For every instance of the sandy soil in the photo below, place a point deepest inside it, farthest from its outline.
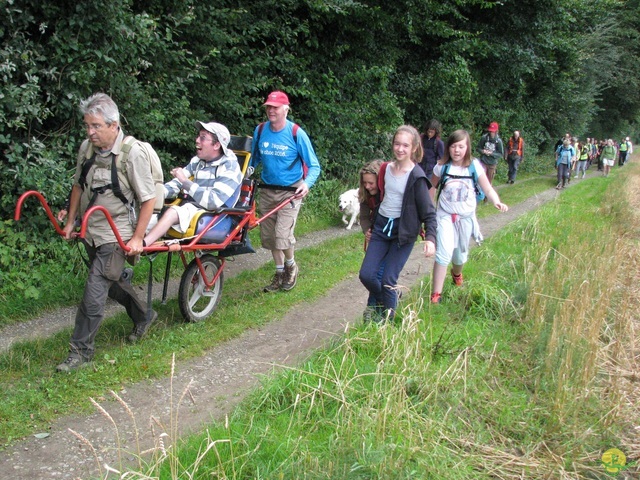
(217, 381)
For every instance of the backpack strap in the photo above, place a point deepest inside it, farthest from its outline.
(381, 172)
(116, 165)
(443, 175)
(473, 175)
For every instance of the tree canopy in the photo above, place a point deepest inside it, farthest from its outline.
(354, 71)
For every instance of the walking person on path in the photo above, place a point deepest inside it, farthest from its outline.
(432, 146)
(369, 198)
(583, 159)
(405, 207)
(289, 167)
(93, 187)
(608, 157)
(564, 156)
(515, 155)
(457, 208)
(491, 150)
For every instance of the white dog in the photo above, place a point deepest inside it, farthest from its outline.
(349, 205)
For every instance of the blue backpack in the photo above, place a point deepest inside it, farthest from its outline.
(474, 175)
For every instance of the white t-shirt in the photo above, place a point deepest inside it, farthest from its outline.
(458, 194)
(394, 187)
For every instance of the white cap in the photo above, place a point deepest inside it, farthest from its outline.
(219, 131)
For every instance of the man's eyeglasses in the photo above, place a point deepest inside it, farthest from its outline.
(94, 126)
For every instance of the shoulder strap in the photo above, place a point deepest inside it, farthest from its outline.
(443, 175)
(381, 173)
(119, 163)
(86, 166)
(474, 173)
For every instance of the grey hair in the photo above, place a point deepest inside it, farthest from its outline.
(101, 104)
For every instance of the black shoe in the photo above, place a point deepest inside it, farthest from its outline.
(140, 330)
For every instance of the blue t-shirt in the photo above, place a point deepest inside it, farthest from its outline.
(280, 156)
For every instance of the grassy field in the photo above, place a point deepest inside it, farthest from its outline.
(519, 374)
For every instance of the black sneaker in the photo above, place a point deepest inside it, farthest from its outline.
(140, 330)
(290, 277)
(276, 283)
(73, 362)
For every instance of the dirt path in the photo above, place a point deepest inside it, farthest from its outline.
(219, 380)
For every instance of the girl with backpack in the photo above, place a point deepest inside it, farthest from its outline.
(405, 206)
(461, 177)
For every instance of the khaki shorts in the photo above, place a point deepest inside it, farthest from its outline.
(276, 232)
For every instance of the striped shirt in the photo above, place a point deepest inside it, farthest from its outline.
(212, 183)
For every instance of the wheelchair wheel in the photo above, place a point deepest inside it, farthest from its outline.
(197, 301)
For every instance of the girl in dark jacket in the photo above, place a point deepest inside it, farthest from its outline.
(404, 208)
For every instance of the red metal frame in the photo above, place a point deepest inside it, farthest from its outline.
(248, 220)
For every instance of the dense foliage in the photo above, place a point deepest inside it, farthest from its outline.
(353, 69)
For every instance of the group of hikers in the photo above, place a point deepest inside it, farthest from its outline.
(430, 188)
(574, 156)
(119, 173)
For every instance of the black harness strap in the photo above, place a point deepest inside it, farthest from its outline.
(114, 186)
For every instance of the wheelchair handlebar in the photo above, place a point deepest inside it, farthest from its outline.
(45, 205)
(105, 212)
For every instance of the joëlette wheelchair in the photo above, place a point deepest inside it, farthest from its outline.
(211, 238)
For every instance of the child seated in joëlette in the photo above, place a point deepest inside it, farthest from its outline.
(210, 180)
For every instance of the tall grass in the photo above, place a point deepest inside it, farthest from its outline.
(520, 374)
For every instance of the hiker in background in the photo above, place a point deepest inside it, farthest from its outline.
(564, 156)
(491, 150)
(405, 207)
(432, 146)
(92, 186)
(289, 167)
(515, 155)
(207, 182)
(583, 159)
(608, 157)
(369, 198)
(457, 208)
(601, 145)
(623, 151)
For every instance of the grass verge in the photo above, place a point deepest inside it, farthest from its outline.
(516, 375)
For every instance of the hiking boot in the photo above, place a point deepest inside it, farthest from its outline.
(290, 277)
(369, 314)
(276, 283)
(73, 362)
(457, 279)
(140, 330)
